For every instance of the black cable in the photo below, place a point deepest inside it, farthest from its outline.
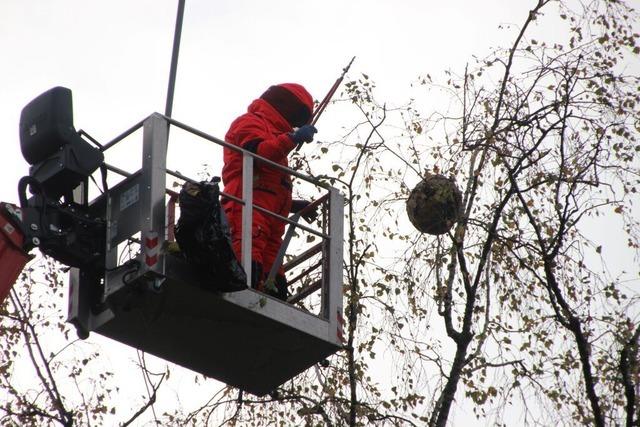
(26, 181)
(125, 276)
(103, 173)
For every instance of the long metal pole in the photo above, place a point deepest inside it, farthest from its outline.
(316, 114)
(174, 59)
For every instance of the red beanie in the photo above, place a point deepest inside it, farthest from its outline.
(292, 101)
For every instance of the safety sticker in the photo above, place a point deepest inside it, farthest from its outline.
(151, 248)
(129, 197)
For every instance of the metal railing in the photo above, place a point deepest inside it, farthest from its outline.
(155, 219)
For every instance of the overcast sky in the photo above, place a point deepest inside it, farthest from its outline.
(115, 55)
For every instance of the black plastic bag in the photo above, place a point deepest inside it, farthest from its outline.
(202, 232)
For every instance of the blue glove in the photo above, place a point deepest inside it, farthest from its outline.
(303, 134)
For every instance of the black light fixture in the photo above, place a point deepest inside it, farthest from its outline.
(60, 159)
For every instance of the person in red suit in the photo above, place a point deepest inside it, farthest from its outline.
(272, 127)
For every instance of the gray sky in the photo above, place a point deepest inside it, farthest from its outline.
(114, 55)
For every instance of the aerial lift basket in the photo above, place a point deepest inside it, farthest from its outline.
(128, 285)
(158, 304)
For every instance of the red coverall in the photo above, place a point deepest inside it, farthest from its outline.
(264, 130)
